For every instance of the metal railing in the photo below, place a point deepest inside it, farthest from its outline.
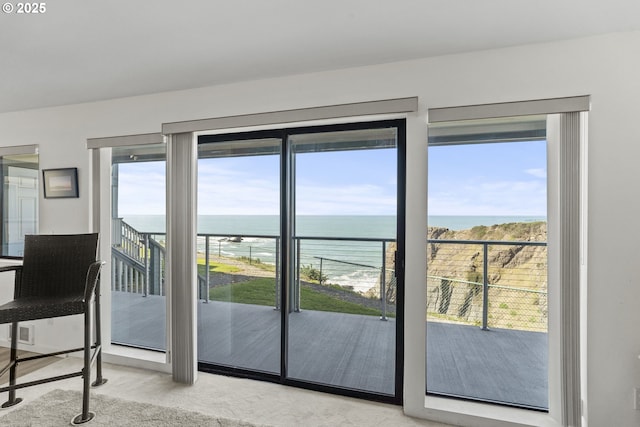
(499, 284)
(357, 270)
(363, 269)
(241, 252)
(138, 260)
(315, 266)
(487, 283)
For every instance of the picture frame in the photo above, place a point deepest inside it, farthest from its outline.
(60, 183)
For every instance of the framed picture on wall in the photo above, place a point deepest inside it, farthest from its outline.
(60, 183)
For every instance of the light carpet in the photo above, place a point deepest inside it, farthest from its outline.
(59, 407)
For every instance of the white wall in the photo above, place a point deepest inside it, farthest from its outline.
(606, 67)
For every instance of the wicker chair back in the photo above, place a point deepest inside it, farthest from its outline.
(56, 265)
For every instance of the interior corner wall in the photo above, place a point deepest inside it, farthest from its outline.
(606, 67)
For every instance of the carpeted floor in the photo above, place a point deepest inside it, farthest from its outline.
(217, 397)
(59, 407)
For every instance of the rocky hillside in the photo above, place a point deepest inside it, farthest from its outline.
(509, 265)
(517, 275)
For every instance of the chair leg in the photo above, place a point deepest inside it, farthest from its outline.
(99, 379)
(12, 371)
(86, 416)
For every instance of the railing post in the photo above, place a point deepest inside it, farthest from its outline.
(485, 286)
(206, 266)
(383, 282)
(320, 278)
(114, 262)
(296, 296)
(120, 278)
(249, 255)
(278, 284)
(160, 260)
(127, 283)
(146, 265)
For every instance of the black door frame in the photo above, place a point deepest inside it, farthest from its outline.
(286, 254)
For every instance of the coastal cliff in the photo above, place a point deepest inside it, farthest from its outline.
(517, 275)
(509, 265)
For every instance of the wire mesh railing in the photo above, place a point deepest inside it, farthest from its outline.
(358, 271)
(499, 284)
(329, 274)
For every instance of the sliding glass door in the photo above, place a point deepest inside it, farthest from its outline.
(342, 322)
(239, 252)
(298, 247)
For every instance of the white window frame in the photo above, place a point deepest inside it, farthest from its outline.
(566, 136)
(101, 223)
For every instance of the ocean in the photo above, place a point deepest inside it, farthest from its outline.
(382, 226)
(351, 253)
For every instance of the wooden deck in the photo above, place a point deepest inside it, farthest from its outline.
(350, 351)
(498, 365)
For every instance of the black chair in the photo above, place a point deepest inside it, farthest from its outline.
(59, 276)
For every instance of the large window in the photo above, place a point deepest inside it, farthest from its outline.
(536, 330)
(19, 201)
(487, 296)
(138, 292)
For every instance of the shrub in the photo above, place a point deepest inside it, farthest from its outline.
(312, 273)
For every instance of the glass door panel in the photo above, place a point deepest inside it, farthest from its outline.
(138, 240)
(487, 311)
(19, 201)
(239, 253)
(342, 287)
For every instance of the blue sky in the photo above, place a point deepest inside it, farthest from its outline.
(481, 179)
(488, 179)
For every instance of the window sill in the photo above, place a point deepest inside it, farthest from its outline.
(136, 358)
(459, 412)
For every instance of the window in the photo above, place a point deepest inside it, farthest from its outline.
(487, 298)
(138, 292)
(566, 154)
(129, 206)
(19, 201)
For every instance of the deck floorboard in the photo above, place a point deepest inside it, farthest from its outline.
(350, 351)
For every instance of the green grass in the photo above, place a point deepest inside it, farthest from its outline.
(216, 267)
(258, 291)
(312, 300)
(261, 291)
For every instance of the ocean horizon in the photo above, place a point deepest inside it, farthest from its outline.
(380, 226)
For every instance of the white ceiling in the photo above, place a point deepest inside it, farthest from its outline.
(88, 50)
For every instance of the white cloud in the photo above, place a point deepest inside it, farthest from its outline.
(141, 193)
(344, 200)
(491, 198)
(537, 172)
